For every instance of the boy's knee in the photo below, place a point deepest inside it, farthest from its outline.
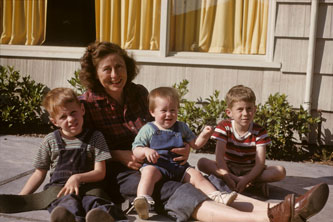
(278, 173)
(150, 171)
(203, 164)
(282, 172)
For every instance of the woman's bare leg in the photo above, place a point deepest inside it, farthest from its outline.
(194, 177)
(212, 211)
(248, 204)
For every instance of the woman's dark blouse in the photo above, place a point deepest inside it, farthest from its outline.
(119, 124)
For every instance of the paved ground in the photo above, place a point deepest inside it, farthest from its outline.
(17, 153)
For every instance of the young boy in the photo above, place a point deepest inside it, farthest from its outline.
(154, 142)
(241, 146)
(76, 159)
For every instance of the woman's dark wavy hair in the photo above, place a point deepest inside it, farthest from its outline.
(93, 55)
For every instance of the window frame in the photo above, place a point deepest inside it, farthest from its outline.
(162, 55)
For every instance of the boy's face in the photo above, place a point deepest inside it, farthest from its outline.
(242, 113)
(165, 113)
(69, 119)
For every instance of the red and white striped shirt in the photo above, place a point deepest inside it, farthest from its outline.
(240, 149)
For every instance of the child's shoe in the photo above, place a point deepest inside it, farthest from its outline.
(142, 206)
(223, 197)
(61, 214)
(98, 215)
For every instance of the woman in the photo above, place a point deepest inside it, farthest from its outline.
(118, 108)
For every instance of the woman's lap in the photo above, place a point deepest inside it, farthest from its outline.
(172, 198)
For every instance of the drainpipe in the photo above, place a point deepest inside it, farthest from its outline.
(311, 55)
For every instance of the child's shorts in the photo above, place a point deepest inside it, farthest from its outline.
(240, 169)
(175, 172)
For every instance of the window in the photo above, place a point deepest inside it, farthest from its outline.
(237, 27)
(70, 23)
(221, 32)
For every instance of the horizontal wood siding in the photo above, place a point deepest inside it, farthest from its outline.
(290, 49)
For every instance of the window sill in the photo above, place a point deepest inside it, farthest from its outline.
(187, 58)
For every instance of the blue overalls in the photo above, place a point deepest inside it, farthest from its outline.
(163, 141)
(71, 162)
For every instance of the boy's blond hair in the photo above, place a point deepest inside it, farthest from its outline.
(240, 93)
(58, 97)
(163, 92)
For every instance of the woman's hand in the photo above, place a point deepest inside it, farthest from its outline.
(184, 153)
(127, 158)
(132, 162)
(72, 186)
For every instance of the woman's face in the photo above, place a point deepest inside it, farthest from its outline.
(112, 74)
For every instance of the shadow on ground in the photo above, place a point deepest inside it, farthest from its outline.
(291, 184)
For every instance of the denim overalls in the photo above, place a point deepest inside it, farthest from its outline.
(163, 141)
(71, 162)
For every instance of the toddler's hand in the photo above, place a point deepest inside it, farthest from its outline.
(208, 131)
(151, 155)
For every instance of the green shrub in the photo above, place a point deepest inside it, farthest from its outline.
(76, 83)
(282, 123)
(21, 98)
(203, 112)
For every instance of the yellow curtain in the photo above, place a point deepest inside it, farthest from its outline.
(132, 24)
(219, 26)
(23, 22)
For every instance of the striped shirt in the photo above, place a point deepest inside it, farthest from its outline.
(119, 124)
(240, 149)
(48, 153)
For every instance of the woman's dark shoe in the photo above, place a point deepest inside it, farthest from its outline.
(284, 211)
(311, 202)
(61, 214)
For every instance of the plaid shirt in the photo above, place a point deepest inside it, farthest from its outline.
(119, 124)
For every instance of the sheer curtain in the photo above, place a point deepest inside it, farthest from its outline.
(132, 24)
(23, 22)
(219, 26)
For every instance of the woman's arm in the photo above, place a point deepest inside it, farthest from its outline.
(126, 158)
(35, 180)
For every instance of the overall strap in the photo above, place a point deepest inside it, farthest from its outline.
(60, 143)
(154, 126)
(86, 139)
(175, 127)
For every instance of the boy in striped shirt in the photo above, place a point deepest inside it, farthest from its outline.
(75, 157)
(241, 146)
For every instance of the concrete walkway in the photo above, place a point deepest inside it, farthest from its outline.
(17, 154)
